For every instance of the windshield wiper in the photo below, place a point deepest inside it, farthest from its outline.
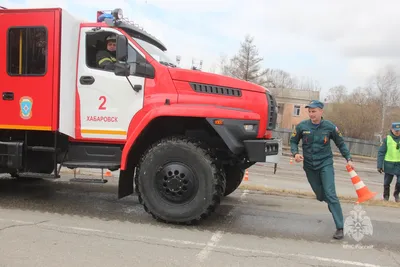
(168, 64)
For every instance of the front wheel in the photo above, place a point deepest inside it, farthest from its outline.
(177, 181)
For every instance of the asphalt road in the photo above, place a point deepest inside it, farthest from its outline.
(45, 223)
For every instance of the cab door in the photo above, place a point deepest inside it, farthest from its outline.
(27, 68)
(107, 102)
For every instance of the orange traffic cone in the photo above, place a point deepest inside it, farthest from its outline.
(108, 173)
(291, 161)
(246, 176)
(362, 190)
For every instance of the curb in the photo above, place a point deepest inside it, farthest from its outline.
(286, 152)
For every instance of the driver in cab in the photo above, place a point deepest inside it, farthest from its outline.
(106, 58)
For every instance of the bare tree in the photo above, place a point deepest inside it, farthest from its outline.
(307, 84)
(276, 78)
(246, 64)
(337, 94)
(357, 114)
(223, 67)
(385, 87)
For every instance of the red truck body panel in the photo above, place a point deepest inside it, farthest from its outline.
(30, 100)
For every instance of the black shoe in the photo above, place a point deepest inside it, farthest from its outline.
(338, 234)
(396, 193)
(386, 192)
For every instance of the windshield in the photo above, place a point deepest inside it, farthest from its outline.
(159, 55)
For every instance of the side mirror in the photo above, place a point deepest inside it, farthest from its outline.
(143, 69)
(122, 48)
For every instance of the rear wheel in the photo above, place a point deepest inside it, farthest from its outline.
(234, 177)
(178, 181)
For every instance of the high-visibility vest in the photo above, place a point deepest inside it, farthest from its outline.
(392, 151)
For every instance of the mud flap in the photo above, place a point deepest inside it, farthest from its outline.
(125, 183)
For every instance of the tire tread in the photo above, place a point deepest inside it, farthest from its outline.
(219, 182)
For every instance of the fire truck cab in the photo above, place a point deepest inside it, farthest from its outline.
(181, 139)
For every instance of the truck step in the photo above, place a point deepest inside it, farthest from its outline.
(91, 165)
(87, 180)
(37, 175)
(42, 148)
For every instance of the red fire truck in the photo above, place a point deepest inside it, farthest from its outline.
(181, 138)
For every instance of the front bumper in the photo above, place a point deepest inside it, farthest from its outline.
(262, 150)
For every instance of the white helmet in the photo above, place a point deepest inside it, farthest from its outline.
(111, 37)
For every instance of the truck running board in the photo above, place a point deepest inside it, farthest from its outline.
(91, 165)
(89, 180)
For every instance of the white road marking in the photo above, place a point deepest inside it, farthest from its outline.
(215, 238)
(211, 245)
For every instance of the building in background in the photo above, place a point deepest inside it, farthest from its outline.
(291, 106)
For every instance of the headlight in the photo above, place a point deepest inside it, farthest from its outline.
(249, 127)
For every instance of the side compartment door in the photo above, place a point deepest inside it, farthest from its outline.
(27, 69)
(107, 102)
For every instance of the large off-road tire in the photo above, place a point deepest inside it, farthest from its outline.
(178, 181)
(234, 177)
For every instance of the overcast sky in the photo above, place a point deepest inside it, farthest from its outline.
(333, 42)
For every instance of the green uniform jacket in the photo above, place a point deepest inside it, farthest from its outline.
(388, 167)
(316, 143)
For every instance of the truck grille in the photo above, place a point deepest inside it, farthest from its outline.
(272, 112)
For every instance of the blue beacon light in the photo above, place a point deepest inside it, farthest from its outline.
(102, 17)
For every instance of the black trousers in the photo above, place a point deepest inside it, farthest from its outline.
(387, 180)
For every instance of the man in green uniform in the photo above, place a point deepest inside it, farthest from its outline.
(315, 135)
(106, 58)
(389, 161)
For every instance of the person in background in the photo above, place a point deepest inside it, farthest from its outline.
(316, 134)
(388, 161)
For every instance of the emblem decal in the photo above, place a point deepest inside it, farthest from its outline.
(358, 225)
(25, 105)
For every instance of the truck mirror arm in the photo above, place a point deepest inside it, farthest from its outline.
(136, 87)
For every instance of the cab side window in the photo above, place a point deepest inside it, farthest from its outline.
(96, 42)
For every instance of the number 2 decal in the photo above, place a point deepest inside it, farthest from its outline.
(102, 105)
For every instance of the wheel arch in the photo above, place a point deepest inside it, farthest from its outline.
(159, 128)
